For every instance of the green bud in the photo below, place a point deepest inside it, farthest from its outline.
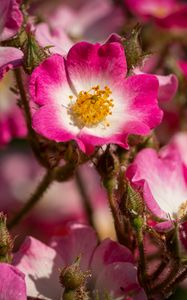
(6, 244)
(134, 201)
(138, 223)
(34, 54)
(72, 277)
(133, 49)
(69, 295)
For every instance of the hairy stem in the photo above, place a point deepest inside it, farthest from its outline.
(85, 197)
(24, 101)
(35, 197)
(142, 267)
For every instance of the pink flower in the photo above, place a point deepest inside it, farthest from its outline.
(12, 122)
(160, 178)
(12, 283)
(166, 13)
(86, 97)
(54, 37)
(110, 264)
(10, 18)
(85, 19)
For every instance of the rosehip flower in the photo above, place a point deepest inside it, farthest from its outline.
(86, 97)
(110, 265)
(12, 283)
(166, 13)
(11, 118)
(10, 18)
(160, 178)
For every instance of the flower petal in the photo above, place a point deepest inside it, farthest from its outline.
(9, 57)
(161, 179)
(10, 18)
(12, 283)
(120, 279)
(80, 240)
(49, 83)
(89, 65)
(40, 264)
(109, 252)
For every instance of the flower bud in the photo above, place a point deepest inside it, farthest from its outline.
(133, 49)
(69, 295)
(6, 243)
(72, 277)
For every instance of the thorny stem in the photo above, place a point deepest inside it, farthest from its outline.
(142, 261)
(160, 288)
(35, 197)
(177, 280)
(85, 197)
(159, 270)
(118, 225)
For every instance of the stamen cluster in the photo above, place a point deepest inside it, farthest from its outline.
(92, 107)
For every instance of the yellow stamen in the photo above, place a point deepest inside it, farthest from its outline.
(92, 107)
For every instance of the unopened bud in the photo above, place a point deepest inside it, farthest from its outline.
(133, 49)
(34, 54)
(70, 295)
(6, 244)
(72, 277)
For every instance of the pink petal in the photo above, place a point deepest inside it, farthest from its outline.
(167, 87)
(53, 37)
(120, 279)
(9, 57)
(52, 122)
(161, 179)
(142, 90)
(40, 264)
(48, 78)
(88, 64)
(12, 283)
(10, 18)
(80, 240)
(109, 252)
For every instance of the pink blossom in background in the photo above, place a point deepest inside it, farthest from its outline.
(12, 123)
(165, 13)
(61, 203)
(86, 20)
(10, 18)
(183, 67)
(12, 283)
(127, 105)
(57, 39)
(160, 178)
(110, 264)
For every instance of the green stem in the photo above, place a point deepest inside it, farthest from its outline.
(24, 101)
(163, 286)
(85, 198)
(35, 197)
(142, 268)
(115, 213)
